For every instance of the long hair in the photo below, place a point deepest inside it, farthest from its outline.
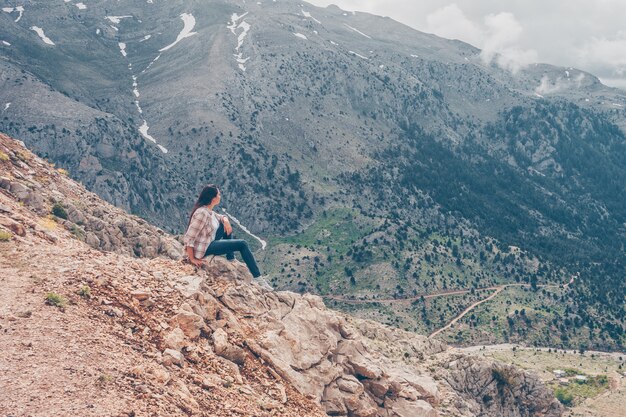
(207, 195)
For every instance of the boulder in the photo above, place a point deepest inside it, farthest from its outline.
(227, 350)
(175, 339)
(173, 357)
(190, 323)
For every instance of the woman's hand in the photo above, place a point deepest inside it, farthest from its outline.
(196, 262)
(227, 227)
(192, 258)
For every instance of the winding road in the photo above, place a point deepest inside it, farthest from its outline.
(497, 289)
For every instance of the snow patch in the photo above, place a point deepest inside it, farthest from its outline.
(19, 9)
(189, 22)
(357, 31)
(308, 15)
(81, 6)
(414, 56)
(6, 107)
(42, 35)
(143, 129)
(117, 19)
(6, 43)
(152, 63)
(245, 229)
(567, 74)
(122, 46)
(145, 38)
(334, 43)
(301, 36)
(97, 31)
(237, 22)
(359, 55)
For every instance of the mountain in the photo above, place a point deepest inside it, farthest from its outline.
(119, 332)
(378, 161)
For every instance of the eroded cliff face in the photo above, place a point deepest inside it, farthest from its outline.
(101, 316)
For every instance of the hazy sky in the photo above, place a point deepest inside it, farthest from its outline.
(585, 34)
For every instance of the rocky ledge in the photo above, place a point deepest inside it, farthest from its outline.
(97, 323)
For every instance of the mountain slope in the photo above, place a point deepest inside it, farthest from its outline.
(93, 332)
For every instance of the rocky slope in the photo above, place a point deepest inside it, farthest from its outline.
(120, 331)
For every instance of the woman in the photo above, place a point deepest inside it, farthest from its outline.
(209, 233)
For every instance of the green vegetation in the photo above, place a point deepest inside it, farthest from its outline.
(59, 211)
(577, 391)
(55, 300)
(84, 291)
(5, 236)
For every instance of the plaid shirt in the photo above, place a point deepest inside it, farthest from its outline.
(201, 231)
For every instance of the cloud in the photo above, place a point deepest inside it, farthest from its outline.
(606, 55)
(450, 22)
(498, 36)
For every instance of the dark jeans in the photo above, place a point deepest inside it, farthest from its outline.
(225, 245)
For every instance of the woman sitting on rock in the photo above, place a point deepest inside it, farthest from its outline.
(209, 233)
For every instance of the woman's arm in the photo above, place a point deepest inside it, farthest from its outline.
(227, 227)
(199, 220)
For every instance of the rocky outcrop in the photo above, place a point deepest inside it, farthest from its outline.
(50, 192)
(352, 367)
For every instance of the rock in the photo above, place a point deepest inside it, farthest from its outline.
(173, 357)
(206, 306)
(402, 407)
(175, 339)
(141, 295)
(92, 240)
(190, 323)
(226, 350)
(348, 383)
(188, 285)
(19, 190)
(13, 226)
(210, 382)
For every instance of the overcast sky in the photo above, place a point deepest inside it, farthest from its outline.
(585, 34)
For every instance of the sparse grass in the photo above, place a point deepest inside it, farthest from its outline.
(3, 156)
(56, 300)
(5, 236)
(59, 211)
(84, 291)
(104, 379)
(48, 223)
(78, 232)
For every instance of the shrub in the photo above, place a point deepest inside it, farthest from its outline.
(55, 300)
(84, 291)
(59, 211)
(5, 236)
(3, 156)
(566, 398)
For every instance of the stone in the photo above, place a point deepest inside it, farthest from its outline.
(175, 339)
(173, 357)
(190, 323)
(92, 240)
(141, 295)
(402, 407)
(19, 190)
(227, 350)
(349, 383)
(13, 226)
